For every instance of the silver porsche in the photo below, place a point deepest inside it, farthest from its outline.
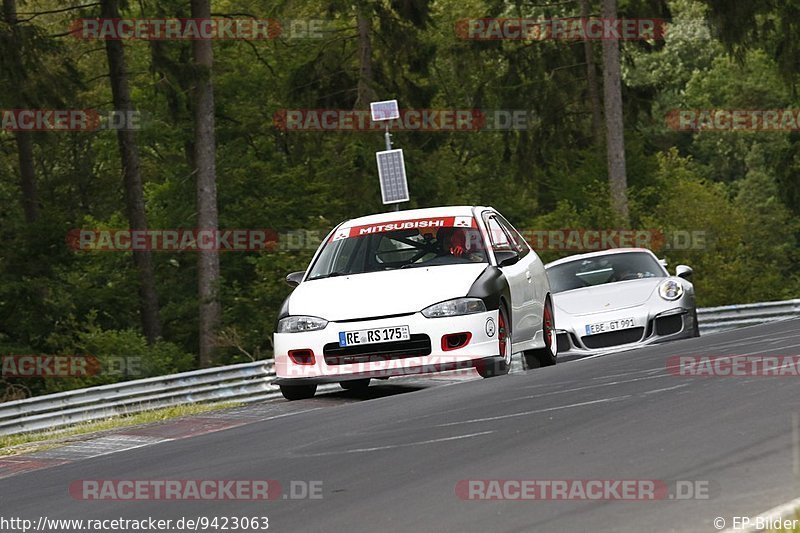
(617, 299)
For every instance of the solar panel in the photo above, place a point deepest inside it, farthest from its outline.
(386, 110)
(392, 175)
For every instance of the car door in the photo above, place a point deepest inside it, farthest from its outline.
(517, 277)
(538, 287)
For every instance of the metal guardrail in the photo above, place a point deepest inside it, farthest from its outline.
(251, 382)
(247, 382)
(714, 319)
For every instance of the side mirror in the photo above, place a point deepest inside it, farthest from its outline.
(295, 278)
(506, 258)
(683, 271)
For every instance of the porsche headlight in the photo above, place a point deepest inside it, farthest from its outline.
(297, 324)
(459, 306)
(670, 290)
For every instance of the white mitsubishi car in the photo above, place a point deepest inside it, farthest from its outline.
(413, 292)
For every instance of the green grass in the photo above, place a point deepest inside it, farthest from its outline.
(41, 440)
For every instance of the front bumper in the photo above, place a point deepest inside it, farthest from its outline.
(422, 354)
(652, 326)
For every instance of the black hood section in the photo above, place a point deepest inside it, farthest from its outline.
(490, 287)
(283, 312)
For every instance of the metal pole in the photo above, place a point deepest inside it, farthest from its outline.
(388, 137)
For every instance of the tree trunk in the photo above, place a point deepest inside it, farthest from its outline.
(615, 135)
(132, 179)
(366, 93)
(615, 138)
(591, 79)
(27, 171)
(205, 169)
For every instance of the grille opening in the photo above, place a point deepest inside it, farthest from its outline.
(668, 325)
(302, 357)
(613, 338)
(455, 341)
(562, 341)
(418, 345)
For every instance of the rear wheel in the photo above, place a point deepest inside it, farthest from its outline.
(355, 384)
(298, 392)
(544, 356)
(499, 366)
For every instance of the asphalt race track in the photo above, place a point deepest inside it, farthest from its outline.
(391, 460)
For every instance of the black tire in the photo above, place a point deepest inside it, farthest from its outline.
(355, 384)
(498, 366)
(298, 392)
(543, 356)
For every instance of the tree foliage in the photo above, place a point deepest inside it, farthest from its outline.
(740, 188)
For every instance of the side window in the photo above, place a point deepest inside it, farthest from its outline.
(517, 242)
(349, 254)
(498, 236)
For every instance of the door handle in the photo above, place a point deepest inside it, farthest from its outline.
(528, 275)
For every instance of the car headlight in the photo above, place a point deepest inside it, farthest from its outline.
(297, 324)
(670, 290)
(459, 306)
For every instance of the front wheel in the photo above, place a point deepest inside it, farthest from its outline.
(499, 366)
(544, 356)
(298, 392)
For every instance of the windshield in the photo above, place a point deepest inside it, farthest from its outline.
(427, 245)
(603, 269)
